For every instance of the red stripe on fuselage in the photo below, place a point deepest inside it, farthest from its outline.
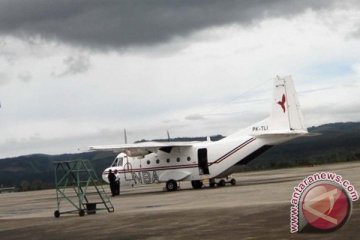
(234, 150)
(189, 165)
(156, 168)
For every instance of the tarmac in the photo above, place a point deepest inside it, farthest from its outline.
(258, 207)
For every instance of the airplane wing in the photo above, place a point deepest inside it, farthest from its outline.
(143, 148)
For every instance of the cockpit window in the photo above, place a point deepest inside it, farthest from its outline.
(114, 164)
(117, 162)
(120, 162)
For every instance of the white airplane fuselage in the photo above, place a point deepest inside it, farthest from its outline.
(221, 156)
(170, 162)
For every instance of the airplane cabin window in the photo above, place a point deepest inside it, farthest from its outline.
(168, 160)
(157, 161)
(148, 162)
(188, 158)
(178, 159)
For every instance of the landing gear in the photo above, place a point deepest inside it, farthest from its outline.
(171, 185)
(212, 183)
(221, 183)
(196, 184)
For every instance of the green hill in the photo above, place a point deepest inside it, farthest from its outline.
(37, 171)
(337, 142)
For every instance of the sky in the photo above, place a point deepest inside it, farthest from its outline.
(77, 73)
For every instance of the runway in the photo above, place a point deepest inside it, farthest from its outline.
(258, 207)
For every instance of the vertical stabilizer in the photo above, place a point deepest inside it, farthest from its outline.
(286, 114)
(285, 117)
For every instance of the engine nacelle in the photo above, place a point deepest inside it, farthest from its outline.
(137, 152)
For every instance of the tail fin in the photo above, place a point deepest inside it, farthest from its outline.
(286, 114)
(285, 118)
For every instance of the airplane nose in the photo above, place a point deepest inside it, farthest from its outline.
(104, 175)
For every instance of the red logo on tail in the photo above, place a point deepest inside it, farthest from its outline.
(282, 102)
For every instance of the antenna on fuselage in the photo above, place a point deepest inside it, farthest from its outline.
(168, 135)
(125, 136)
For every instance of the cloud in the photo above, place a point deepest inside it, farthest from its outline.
(75, 65)
(193, 117)
(24, 76)
(218, 83)
(3, 78)
(121, 24)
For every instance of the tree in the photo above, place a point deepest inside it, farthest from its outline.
(24, 186)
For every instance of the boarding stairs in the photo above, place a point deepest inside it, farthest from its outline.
(78, 189)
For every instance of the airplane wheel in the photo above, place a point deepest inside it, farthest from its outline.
(196, 184)
(56, 214)
(221, 183)
(212, 183)
(171, 185)
(233, 182)
(81, 213)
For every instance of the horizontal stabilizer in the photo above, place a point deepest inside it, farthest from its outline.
(280, 134)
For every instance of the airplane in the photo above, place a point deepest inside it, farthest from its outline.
(206, 161)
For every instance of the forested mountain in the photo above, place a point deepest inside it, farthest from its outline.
(37, 171)
(337, 142)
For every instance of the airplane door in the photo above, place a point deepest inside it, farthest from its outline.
(128, 170)
(203, 161)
